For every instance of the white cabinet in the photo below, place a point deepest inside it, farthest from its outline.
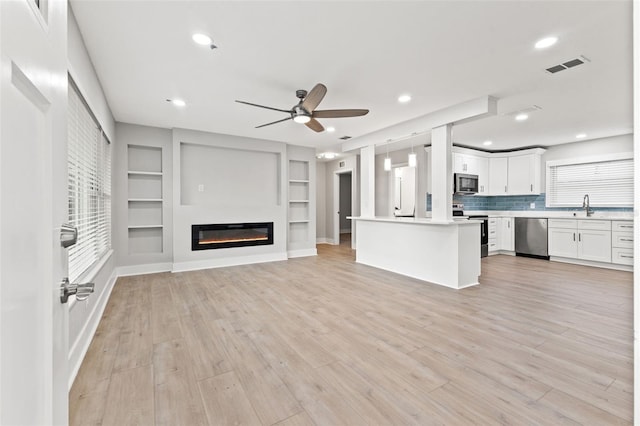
(622, 242)
(498, 167)
(501, 235)
(523, 175)
(580, 239)
(506, 234)
(474, 165)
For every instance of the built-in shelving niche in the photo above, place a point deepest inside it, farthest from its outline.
(298, 201)
(145, 199)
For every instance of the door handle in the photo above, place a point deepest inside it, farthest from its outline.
(81, 291)
(68, 235)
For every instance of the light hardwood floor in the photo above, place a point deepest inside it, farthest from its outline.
(323, 340)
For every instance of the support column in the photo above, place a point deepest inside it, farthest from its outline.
(367, 181)
(441, 174)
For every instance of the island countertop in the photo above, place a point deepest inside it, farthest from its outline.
(417, 220)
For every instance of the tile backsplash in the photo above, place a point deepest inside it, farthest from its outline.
(515, 202)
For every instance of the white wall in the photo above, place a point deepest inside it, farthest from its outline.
(321, 202)
(83, 73)
(595, 147)
(226, 210)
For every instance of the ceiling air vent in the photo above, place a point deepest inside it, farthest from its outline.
(344, 138)
(566, 65)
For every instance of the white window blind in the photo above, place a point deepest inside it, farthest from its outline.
(607, 181)
(89, 164)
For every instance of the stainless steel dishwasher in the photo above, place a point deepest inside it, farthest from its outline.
(531, 237)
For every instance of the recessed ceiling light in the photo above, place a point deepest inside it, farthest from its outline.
(521, 117)
(329, 155)
(330, 129)
(546, 42)
(202, 39)
(404, 98)
(487, 143)
(177, 102)
(581, 135)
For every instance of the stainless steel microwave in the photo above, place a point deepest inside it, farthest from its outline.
(465, 184)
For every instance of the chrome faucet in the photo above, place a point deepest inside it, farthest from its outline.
(585, 205)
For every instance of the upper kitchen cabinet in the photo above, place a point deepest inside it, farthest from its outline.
(498, 168)
(473, 165)
(524, 174)
(516, 173)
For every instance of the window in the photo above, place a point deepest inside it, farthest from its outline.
(89, 164)
(608, 180)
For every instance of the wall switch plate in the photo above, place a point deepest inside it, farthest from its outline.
(532, 205)
(201, 188)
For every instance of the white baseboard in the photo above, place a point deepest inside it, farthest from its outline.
(152, 268)
(302, 253)
(325, 241)
(80, 347)
(605, 265)
(227, 261)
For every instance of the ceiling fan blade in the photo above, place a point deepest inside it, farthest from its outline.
(273, 122)
(315, 125)
(339, 113)
(314, 97)
(262, 106)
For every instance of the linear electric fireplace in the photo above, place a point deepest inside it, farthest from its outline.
(225, 235)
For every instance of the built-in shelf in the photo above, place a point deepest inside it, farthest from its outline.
(298, 217)
(145, 199)
(298, 181)
(137, 172)
(298, 201)
(298, 221)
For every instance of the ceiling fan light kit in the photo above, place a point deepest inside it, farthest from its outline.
(304, 112)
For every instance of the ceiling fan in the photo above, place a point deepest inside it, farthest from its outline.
(305, 110)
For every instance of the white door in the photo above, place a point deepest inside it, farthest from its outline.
(498, 176)
(520, 175)
(506, 234)
(33, 322)
(563, 242)
(594, 245)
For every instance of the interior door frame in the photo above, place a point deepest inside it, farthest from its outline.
(336, 206)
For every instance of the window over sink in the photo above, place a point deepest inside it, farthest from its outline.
(607, 179)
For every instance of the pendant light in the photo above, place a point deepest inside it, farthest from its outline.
(413, 158)
(387, 160)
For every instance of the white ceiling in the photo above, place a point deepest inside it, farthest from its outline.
(367, 53)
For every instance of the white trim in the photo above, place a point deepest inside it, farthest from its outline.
(604, 265)
(591, 159)
(194, 265)
(324, 241)
(79, 349)
(149, 268)
(302, 253)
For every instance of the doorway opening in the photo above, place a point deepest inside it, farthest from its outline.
(343, 201)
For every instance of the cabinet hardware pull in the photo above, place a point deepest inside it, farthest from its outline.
(531, 187)
(626, 257)
(574, 236)
(626, 239)
(579, 237)
(505, 188)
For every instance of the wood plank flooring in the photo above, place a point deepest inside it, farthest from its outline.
(325, 341)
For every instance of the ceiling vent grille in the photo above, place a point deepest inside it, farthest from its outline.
(344, 138)
(566, 65)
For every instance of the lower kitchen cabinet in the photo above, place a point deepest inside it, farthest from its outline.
(580, 239)
(506, 240)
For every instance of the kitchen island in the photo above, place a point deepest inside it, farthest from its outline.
(444, 253)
